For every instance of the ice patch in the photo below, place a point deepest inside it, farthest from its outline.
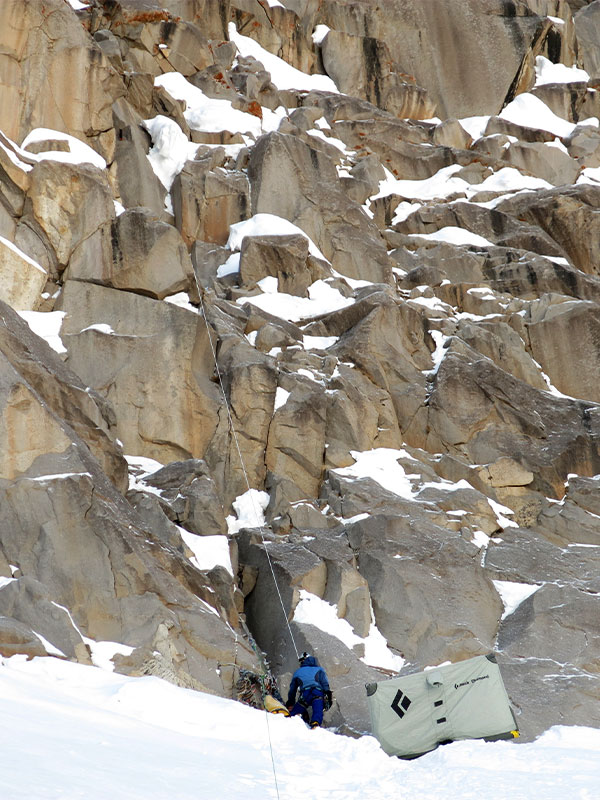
(440, 185)
(440, 351)
(403, 211)
(474, 126)
(528, 110)
(102, 652)
(381, 465)
(181, 300)
(318, 342)
(101, 327)
(318, 134)
(501, 511)
(230, 267)
(547, 72)
(319, 33)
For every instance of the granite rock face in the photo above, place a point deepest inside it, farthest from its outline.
(303, 358)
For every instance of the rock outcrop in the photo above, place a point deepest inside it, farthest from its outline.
(299, 320)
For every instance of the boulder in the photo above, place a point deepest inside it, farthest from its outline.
(73, 205)
(391, 346)
(208, 199)
(49, 420)
(430, 600)
(18, 639)
(566, 100)
(545, 695)
(28, 601)
(525, 274)
(297, 182)
(84, 543)
(536, 557)
(499, 342)
(174, 415)
(158, 39)
(481, 410)
(450, 133)
(505, 472)
(54, 75)
(360, 416)
(566, 215)
(284, 31)
(250, 380)
(584, 145)
(296, 437)
(482, 70)
(562, 341)
(190, 496)
(148, 257)
(587, 26)
(283, 257)
(502, 225)
(545, 161)
(558, 623)
(504, 127)
(138, 185)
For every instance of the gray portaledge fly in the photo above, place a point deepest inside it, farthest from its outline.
(413, 714)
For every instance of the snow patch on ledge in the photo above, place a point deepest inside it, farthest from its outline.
(209, 551)
(79, 152)
(268, 225)
(205, 113)
(381, 465)
(513, 594)
(46, 325)
(283, 75)
(322, 299)
(249, 509)
(528, 110)
(311, 610)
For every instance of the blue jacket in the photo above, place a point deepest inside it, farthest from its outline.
(310, 679)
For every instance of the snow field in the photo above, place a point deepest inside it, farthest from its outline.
(72, 732)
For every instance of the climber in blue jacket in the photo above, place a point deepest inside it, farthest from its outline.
(315, 695)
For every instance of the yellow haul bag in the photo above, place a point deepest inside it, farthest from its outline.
(274, 706)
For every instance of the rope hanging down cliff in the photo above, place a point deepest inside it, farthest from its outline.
(258, 517)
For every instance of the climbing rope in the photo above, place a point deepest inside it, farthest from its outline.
(256, 513)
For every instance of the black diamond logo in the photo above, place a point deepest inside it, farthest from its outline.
(400, 703)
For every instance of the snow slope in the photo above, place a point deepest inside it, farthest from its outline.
(71, 732)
